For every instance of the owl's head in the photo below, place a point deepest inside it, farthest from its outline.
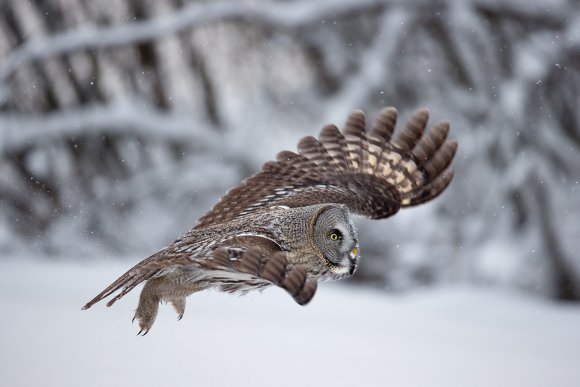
(335, 237)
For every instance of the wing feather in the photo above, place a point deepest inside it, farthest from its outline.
(368, 172)
(440, 160)
(380, 134)
(257, 257)
(413, 130)
(356, 141)
(384, 126)
(273, 268)
(313, 150)
(335, 143)
(431, 142)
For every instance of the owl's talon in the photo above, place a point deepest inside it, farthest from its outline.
(179, 306)
(142, 332)
(145, 324)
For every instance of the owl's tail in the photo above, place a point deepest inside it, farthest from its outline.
(144, 270)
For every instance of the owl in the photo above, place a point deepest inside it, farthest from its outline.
(290, 225)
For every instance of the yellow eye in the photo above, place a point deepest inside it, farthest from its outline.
(335, 235)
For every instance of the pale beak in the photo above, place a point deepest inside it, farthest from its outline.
(354, 252)
(353, 259)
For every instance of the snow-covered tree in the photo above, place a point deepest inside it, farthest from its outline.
(122, 121)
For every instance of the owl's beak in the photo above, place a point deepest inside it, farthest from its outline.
(353, 259)
(354, 252)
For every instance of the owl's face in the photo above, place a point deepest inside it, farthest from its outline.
(335, 236)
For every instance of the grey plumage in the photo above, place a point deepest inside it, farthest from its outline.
(289, 225)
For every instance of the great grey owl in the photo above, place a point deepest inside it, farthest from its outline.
(290, 224)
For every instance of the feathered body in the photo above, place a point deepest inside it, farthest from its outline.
(290, 224)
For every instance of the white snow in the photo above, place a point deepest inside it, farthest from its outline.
(347, 336)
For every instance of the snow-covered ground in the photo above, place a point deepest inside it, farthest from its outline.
(345, 337)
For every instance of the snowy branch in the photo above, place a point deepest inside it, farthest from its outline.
(372, 71)
(28, 129)
(292, 15)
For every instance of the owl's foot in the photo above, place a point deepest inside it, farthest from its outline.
(179, 306)
(147, 310)
(146, 317)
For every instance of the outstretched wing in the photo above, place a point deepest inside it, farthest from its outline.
(239, 264)
(367, 171)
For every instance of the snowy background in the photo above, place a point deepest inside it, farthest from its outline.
(347, 336)
(122, 121)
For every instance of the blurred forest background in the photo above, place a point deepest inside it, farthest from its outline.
(122, 121)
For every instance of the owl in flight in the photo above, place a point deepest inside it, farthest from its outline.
(290, 224)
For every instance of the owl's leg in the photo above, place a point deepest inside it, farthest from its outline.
(148, 305)
(177, 296)
(165, 289)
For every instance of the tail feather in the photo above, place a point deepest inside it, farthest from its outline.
(109, 290)
(144, 270)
